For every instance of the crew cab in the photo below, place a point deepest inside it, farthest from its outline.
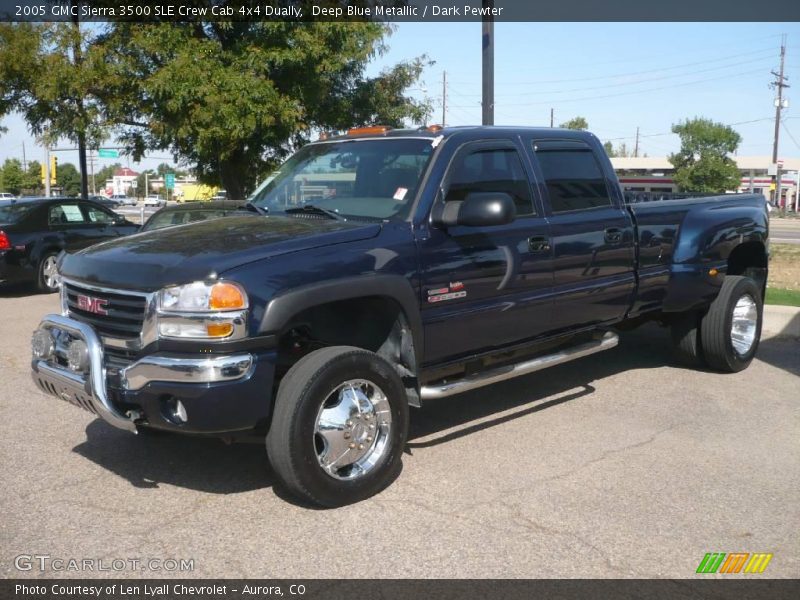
(383, 269)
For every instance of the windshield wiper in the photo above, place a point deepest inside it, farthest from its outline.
(310, 208)
(254, 208)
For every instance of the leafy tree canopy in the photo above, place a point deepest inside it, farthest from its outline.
(575, 123)
(229, 100)
(13, 177)
(233, 99)
(703, 163)
(68, 179)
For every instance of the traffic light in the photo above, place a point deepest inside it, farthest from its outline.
(53, 169)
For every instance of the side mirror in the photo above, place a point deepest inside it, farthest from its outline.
(478, 209)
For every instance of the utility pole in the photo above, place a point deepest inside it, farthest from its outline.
(636, 145)
(444, 98)
(91, 163)
(47, 169)
(488, 62)
(24, 161)
(779, 84)
(551, 118)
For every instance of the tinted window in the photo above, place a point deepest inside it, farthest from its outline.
(11, 213)
(574, 179)
(65, 214)
(95, 214)
(491, 170)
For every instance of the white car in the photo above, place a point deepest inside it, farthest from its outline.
(154, 200)
(6, 196)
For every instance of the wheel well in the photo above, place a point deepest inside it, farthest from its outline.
(749, 259)
(374, 323)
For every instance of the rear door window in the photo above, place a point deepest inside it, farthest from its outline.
(573, 177)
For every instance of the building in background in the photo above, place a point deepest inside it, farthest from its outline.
(654, 174)
(122, 183)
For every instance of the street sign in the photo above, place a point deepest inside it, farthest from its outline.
(106, 153)
(169, 181)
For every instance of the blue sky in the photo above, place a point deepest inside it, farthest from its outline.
(616, 75)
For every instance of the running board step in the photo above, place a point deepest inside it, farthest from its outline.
(430, 392)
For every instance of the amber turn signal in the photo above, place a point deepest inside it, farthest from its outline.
(226, 296)
(218, 330)
(713, 272)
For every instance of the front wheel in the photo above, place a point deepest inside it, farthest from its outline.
(731, 329)
(339, 426)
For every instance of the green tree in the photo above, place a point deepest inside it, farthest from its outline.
(68, 179)
(33, 177)
(54, 74)
(609, 148)
(13, 176)
(703, 163)
(233, 99)
(575, 123)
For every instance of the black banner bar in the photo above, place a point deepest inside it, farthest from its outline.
(434, 11)
(740, 588)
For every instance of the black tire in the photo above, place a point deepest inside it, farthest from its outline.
(685, 332)
(42, 277)
(291, 441)
(715, 332)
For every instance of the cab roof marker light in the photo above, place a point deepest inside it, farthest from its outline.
(368, 130)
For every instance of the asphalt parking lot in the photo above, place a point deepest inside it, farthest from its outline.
(617, 465)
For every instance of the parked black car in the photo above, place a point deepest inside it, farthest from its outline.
(33, 231)
(181, 214)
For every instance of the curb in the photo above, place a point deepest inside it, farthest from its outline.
(781, 321)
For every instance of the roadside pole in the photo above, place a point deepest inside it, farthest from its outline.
(488, 64)
(47, 169)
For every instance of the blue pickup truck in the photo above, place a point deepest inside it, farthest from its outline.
(381, 269)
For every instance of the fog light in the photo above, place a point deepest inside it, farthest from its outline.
(176, 411)
(78, 356)
(42, 344)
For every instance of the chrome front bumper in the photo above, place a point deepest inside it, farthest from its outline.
(88, 390)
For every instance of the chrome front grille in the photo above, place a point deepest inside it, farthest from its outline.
(125, 311)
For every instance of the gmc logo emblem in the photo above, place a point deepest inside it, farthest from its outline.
(92, 305)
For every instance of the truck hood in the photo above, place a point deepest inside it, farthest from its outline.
(149, 261)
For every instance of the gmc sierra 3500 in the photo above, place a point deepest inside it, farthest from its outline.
(383, 268)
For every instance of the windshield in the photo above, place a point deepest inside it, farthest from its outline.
(13, 212)
(370, 179)
(179, 217)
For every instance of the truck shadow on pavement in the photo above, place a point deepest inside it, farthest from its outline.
(208, 465)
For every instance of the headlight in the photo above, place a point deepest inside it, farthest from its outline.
(202, 311)
(202, 297)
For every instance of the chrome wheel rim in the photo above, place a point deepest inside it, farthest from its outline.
(351, 433)
(744, 324)
(50, 272)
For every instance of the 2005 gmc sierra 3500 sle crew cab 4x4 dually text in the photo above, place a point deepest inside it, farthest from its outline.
(383, 268)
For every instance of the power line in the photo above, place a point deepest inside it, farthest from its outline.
(628, 83)
(789, 133)
(645, 72)
(655, 89)
(652, 135)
